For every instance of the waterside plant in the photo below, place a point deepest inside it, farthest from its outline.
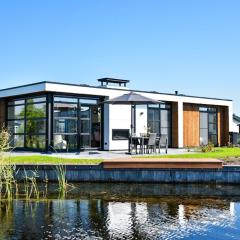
(11, 179)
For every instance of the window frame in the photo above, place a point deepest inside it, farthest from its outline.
(209, 110)
(165, 106)
(25, 134)
(89, 101)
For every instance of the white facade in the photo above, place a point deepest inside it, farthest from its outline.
(118, 116)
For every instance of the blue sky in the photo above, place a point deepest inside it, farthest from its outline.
(189, 46)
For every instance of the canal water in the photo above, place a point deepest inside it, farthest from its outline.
(126, 211)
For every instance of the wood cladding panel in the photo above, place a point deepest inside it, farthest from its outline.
(191, 132)
(223, 126)
(174, 124)
(191, 125)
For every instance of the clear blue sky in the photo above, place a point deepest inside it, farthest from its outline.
(190, 46)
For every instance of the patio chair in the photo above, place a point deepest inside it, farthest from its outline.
(162, 142)
(151, 144)
(59, 142)
(135, 142)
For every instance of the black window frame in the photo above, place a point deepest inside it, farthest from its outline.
(209, 110)
(11, 103)
(166, 106)
(78, 134)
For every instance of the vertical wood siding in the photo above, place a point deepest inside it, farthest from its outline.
(191, 132)
(223, 126)
(190, 125)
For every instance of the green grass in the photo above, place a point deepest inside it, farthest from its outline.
(35, 159)
(219, 153)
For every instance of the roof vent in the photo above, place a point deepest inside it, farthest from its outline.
(113, 82)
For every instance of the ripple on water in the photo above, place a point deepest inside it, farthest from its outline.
(166, 219)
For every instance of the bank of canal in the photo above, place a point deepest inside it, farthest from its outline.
(97, 173)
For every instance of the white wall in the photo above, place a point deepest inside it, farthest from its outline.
(120, 118)
(141, 119)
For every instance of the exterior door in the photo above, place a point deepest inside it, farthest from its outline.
(85, 126)
(90, 125)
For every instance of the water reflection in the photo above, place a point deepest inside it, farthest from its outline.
(111, 217)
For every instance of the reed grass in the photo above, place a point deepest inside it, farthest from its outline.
(9, 179)
(30, 184)
(62, 180)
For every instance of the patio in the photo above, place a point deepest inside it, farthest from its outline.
(98, 154)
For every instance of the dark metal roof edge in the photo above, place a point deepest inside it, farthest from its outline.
(235, 117)
(118, 89)
(25, 85)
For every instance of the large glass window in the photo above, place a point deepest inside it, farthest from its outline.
(36, 110)
(17, 141)
(16, 126)
(76, 123)
(208, 125)
(27, 122)
(159, 119)
(36, 123)
(65, 123)
(16, 112)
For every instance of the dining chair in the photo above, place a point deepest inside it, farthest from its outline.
(163, 142)
(152, 142)
(135, 142)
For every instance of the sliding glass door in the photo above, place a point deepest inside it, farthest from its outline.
(76, 124)
(85, 126)
(90, 124)
(208, 125)
(65, 123)
(159, 120)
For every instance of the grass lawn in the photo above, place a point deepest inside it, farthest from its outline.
(36, 159)
(219, 153)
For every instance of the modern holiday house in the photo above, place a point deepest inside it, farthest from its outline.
(69, 117)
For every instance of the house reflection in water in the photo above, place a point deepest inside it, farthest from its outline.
(108, 219)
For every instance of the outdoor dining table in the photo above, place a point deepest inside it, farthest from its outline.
(142, 140)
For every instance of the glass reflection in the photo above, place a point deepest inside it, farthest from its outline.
(159, 119)
(36, 141)
(36, 126)
(16, 112)
(17, 140)
(62, 125)
(37, 110)
(16, 126)
(65, 141)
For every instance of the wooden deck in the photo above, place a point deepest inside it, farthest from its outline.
(179, 163)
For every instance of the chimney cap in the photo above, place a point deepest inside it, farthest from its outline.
(113, 80)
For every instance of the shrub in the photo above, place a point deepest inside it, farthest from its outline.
(207, 148)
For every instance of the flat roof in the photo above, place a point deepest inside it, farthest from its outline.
(109, 88)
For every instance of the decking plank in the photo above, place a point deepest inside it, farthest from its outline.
(162, 163)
